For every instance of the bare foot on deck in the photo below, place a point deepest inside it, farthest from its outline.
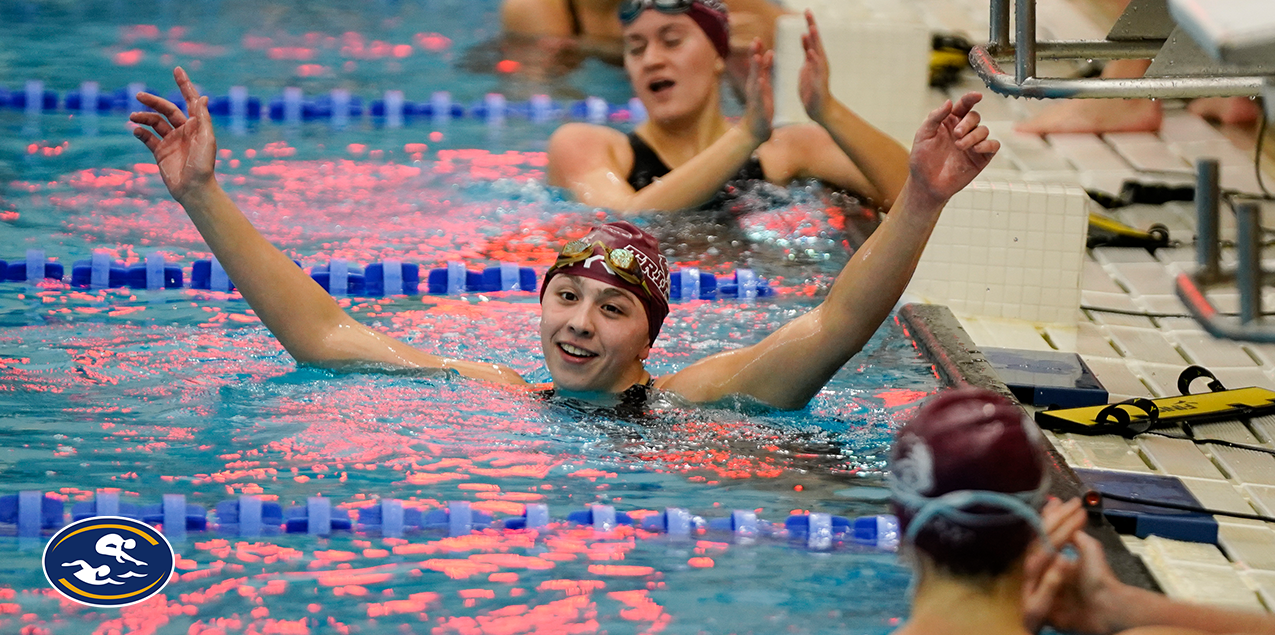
(1095, 115)
(1227, 110)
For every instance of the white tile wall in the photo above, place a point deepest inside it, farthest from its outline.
(1007, 250)
(1232, 431)
(1145, 151)
(1265, 428)
(878, 68)
(1244, 377)
(1245, 466)
(1248, 544)
(1227, 155)
(1087, 152)
(1210, 352)
(1142, 278)
(1145, 344)
(1263, 583)
(1003, 333)
(1166, 550)
(1106, 452)
(1094, 277)
(1177, 457)
(1111, 301)
(1221, 496)
(1105, 318)
(1262, 497)
(1176, 324)
(1089, 339)
(1208, 584)
(1121, 383)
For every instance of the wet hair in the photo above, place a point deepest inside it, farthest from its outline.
(968, 478)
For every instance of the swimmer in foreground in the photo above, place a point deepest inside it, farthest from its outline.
(604, 299)
(686, 151)
(969, 486)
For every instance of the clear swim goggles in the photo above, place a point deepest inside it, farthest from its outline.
(631, 9)
(953, 506)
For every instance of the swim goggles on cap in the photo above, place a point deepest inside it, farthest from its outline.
(953, 506)
(619, 261)
(631, 9)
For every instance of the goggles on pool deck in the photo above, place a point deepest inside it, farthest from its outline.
(620, 261)
(631, 9)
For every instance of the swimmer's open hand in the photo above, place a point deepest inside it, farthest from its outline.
(185, 147)
(759, 108)
(812, 83)
(950, 149)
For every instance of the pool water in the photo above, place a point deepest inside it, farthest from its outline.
(184, 391)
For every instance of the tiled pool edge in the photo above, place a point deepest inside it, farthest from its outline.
(942, 339)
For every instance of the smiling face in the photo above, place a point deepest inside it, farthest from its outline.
(594, 335)
(673, 66)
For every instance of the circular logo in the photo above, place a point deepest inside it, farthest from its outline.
(108, 561)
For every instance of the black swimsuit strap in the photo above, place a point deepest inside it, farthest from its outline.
(648, 166)
(575, 18)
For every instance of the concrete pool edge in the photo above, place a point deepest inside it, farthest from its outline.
(944, 342)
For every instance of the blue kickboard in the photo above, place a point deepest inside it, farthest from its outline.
(1047, 378)
(1146, 520)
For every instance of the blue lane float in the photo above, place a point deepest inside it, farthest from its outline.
(456, 278)
(35, 268)
(31, 514)
(34, 513)
(250, 517)
(316, 518)
(338, 106)
(344, 278)
(693, 284)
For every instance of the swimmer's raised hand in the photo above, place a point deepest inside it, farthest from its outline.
(759, 108)
(812, 82)
(185, 147)
(950, 149)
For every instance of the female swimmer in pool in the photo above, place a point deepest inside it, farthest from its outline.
(685, 153)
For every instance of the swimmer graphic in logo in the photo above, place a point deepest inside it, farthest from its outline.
(108, 561)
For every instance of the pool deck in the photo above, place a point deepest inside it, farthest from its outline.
(1133, 331)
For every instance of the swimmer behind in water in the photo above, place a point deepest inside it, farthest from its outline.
(594, 23)
(687, 152)
(969, 486)
(604, 299)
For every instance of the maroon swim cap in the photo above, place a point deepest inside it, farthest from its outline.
(711, 18)
(710, 15)
(647, 276)
(966, 443)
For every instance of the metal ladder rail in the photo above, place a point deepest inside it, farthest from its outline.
(1025, 50)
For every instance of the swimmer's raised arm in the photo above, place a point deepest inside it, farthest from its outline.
(585, 158)
(305, 319)
(792, 364)
(881, 159)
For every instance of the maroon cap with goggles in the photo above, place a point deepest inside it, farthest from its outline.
(710, 15)
(624, 256)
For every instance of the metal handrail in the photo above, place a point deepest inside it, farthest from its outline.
(1001, 82)
(1026, 50)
